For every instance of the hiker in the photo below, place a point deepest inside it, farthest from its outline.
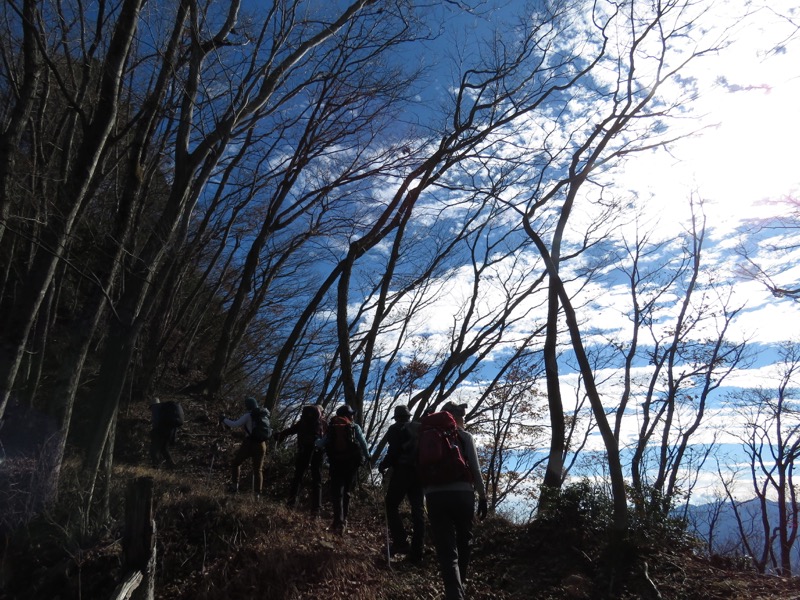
(400, 460)
(256, 425)
(347, 450)
(450, 483)
(309, 428)
(166, 418)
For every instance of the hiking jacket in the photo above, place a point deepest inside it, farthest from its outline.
(245, 421)
(471, 456)
(156, 411)
(396, 439)
(307, 432)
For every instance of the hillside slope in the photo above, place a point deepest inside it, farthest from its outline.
(212, 545)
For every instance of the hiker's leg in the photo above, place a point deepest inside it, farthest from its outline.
(155, 447)
(417, 501)
(463, 515)
(337, 493)
(443, 532)
(302, 458)
(259, 453)
(167, 437)
(395, 492)
(242, 454)
(351, 471)
(316, 480)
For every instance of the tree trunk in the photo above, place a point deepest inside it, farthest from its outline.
(553, 477)
(19, 114)
(118, 352)
(139, 538)
(618, 493)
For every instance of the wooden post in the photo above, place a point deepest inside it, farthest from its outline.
(139, 538)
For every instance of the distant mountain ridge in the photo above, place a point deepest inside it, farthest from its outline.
(716, 524)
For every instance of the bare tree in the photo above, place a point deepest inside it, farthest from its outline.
(511, 420)
(274, 74)
(771, 440)
(625, 118)
(19, 104)
(90, 131)
(685, 363)
(765, 240)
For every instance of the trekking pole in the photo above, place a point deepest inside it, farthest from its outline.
(386, 521)
(385, 516)
(211, 466)
(388, 541)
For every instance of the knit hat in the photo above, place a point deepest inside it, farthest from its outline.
(344, 411)
(250, 403)
(401, 412)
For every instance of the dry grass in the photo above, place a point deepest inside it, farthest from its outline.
(214, 546)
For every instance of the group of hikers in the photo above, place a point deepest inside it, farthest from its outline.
(432, 462)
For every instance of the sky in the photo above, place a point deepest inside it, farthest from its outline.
(747, 157)
(752, 155)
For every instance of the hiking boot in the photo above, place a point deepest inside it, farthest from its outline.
(339, 528)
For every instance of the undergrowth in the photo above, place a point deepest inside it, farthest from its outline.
(213, 546)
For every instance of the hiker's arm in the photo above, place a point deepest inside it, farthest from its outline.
(240, 422)
(394, 437)
(474, 463)
(379, 448)
(362, 442)
(282, 435)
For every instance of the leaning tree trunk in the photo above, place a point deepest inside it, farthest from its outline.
(118, 352)
(20, 112)
(553, 476)
(618, 492)
(138, 543)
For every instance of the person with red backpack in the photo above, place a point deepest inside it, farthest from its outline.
(450, 473)
(309, 428)
(347, 450)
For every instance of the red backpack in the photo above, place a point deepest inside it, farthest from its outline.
(440, 458)
(342, 443)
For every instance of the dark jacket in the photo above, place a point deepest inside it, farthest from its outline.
(308, 429)
(401, 442)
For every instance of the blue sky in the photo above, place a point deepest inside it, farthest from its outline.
(741, 164)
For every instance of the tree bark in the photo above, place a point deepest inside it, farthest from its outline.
(139, 538)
